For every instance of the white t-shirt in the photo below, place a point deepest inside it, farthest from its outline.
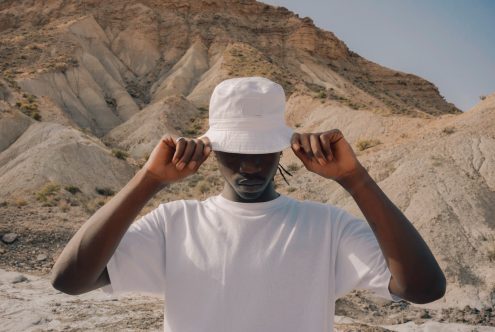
(225, 266)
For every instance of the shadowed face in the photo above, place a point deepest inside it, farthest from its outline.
(249, 175)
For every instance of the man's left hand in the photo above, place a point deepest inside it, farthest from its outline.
(327, 154)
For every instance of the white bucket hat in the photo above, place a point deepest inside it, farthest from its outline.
(246, 115)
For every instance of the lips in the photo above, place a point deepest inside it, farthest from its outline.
(245, 182)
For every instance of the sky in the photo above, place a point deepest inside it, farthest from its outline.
(451, 43)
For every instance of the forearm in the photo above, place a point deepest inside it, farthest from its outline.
(87, 253)
(415, 271)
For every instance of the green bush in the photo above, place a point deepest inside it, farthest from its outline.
(36, 116)
(366, 144)
(50, 189)
(105, 191)
(48, 195)
(73, 189)
(120, 154)
(321, 95)
(292, 167)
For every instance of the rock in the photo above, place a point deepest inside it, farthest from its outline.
(9, 238)
(41, 257)
(18, 278)
(35, 320)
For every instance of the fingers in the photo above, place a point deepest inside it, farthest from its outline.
(328, 138)
(295, 141)
(307, 146)
(296, 145)
(207, 146)
(316, 147)
(180, 147)
(191, 153)
(197, 155)
(325, 144)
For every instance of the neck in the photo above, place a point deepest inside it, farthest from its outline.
(268, 194)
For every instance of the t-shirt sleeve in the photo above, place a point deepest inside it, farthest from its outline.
(360, 263)
(138, 263)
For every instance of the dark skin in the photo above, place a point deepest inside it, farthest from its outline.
(416, 275)
(257, 172)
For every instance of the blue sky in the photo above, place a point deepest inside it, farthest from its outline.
(451, 43)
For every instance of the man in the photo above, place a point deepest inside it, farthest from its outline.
(250, 259)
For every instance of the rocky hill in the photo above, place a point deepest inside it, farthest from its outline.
(87, 88)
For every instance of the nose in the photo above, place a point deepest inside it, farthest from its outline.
(250, 165)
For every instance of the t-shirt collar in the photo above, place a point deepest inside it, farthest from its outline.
(254, 207)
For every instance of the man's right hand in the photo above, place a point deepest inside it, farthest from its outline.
(171, 161)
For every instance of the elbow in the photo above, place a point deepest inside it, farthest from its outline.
(58, 282)
(434, 291)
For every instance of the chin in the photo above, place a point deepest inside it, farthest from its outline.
(249, 195)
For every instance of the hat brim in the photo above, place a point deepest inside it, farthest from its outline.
(250, 142)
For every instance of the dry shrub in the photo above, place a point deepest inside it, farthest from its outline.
(49, 194)
(448, 130)
(364, 144)
(120, 154)
(18, 201)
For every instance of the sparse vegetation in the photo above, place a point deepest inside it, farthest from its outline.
(364, 144)
(437, 161)
(73, 189)
(191, 132)
(482, 97)
(111, 102)
(291, 189)
(448, 130)
(292, 167)
(321, 95)
(105, 191)
(28, 106)
(10, 79)
(120, 154)
(203, 186)
(48, 195)
(20, 202)
(252, 62)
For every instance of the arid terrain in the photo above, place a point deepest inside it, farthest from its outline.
(87, 88)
